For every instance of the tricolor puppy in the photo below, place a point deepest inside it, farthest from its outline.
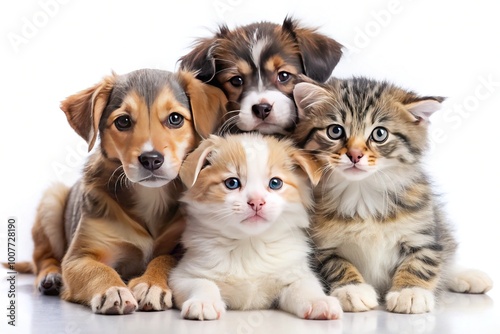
(257, 66)
(120, 221)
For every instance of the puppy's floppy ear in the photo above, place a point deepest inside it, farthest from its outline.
(207, 103)
(195, 161)
(200, 60)
(309, 164)
(320, 53)
(84, 109)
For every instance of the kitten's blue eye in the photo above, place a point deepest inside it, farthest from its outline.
(275, 183)
(232, 183)
(335, 132)
(380, 134)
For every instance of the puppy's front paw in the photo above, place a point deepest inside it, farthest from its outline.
(410, 300)
(327, 308)
(356, 297)
(198, 309)
(152, 297)
(116, 300)
(50, 284)
(470, 281)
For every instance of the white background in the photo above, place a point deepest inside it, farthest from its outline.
(51, 49)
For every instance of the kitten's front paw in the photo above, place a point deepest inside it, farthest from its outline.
(152, 297)
(356, 297)
(327, 308)
(198, 309)
(410, 300)
(115, 300)
(470, 281)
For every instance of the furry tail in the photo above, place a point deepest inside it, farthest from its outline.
(20, 267)
(465, 280)
(49, 224)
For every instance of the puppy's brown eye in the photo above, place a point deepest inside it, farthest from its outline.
(236, 81)
(283, 76)
(123, 123)
(175, 120)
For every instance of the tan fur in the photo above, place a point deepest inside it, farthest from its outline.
(126, 230)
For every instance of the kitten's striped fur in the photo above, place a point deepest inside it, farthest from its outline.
(380, 231)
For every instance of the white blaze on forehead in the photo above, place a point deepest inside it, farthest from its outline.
(148, 146)
(257, 156)
(257, 47)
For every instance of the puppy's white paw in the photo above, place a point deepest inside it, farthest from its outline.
(410, 300)
(326, 308)
(116, 300)
(356, 297)
(470, 281)
(152, 297)
(198, 309)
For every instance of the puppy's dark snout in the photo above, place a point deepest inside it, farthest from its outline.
(151, 160)
(262, 110)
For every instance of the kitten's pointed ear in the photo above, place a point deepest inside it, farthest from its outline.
(196, 161)
(306, 94)
(310, 165)
(425, 107)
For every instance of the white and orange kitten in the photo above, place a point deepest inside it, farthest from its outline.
(247, 208)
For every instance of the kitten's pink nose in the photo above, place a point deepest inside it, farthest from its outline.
(256, 203)
(355, 155)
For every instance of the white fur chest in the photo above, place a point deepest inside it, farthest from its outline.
(250, 273)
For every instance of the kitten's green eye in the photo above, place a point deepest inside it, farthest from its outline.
(380, 134)
(335, 132)
(275, 183)
(232, 183)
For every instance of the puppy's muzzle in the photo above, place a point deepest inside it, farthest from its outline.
(262, 110)
(151, 160)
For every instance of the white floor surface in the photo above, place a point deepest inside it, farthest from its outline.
(458, 313)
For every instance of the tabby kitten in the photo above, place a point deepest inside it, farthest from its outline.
(380, 232)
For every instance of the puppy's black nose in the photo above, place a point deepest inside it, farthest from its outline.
(262, 110)
(151, 160)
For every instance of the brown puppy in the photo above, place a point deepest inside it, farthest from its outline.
(120, 221)
(257, 67)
